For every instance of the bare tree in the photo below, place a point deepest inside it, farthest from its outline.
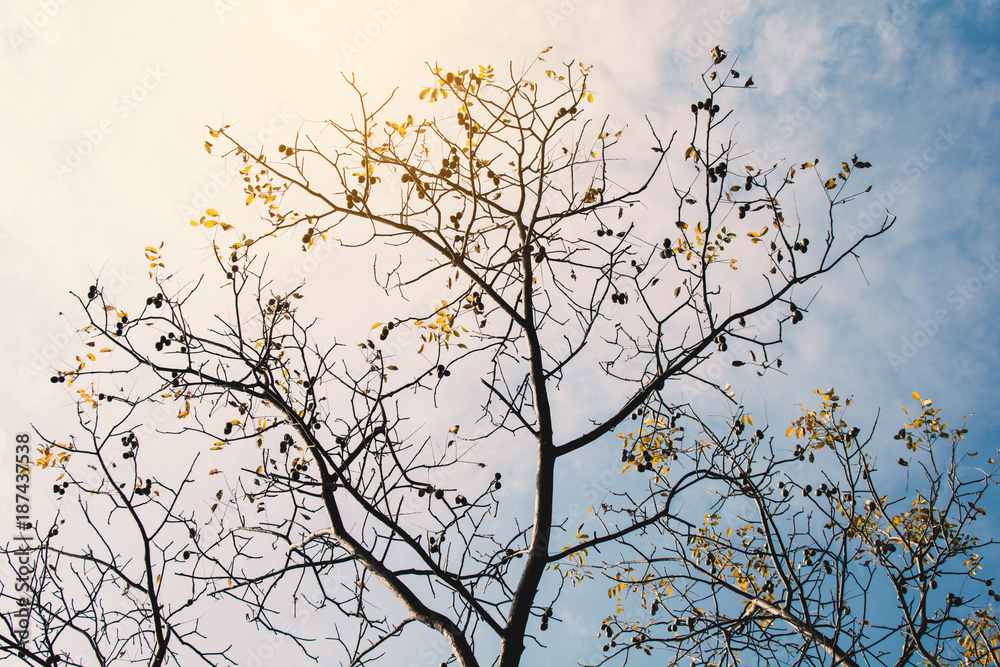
(336, 490)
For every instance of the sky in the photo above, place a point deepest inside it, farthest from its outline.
(105, 103)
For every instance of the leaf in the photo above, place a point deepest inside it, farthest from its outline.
(214, 471)
(830, 184)
(212, 212)
(250, 198)
(916, 396)
(208, 148)
(376, 326)
(791, 429)
(546, 49)
(590, 97)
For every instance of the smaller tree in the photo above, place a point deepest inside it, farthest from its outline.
(843, 551)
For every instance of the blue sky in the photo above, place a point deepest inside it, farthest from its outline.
(105, 103)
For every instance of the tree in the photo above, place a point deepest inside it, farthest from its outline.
(334, 495)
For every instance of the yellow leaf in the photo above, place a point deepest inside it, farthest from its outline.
(212, 212)
(105, 349)
(250, 198)
(194, 223)
(916, 396)
(593, 154)
(245, 170)
(830, 184)
(590, 97)
(210, 223)
(790, 430)
(208, 148)
(376, 326)
(214, 471)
